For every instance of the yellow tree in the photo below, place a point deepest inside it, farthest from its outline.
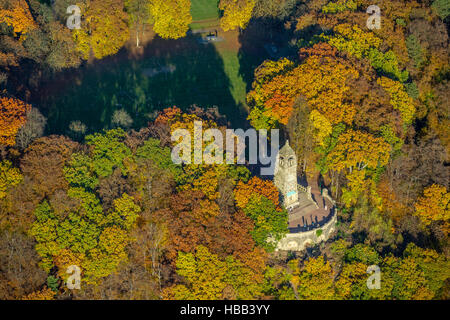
(357, 149)
(322, 126)
(208, 277)
(320, 79)
(323, 82)
(9, 177)
(361, 44)
(399, 99)
(208, 182)
(314, 281)
(410, 280)
(171, 17)
(16, 13)
(203, 272)
(44, 294)
(434, 206)
(104, 30)
(352, 279)
(236, 13)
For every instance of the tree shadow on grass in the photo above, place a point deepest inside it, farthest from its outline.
(254, 41)
(178, 73)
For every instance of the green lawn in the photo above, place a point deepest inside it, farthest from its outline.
(205, 75)
(231, 68)
(204, 9)
(204, 24)
(201, 75)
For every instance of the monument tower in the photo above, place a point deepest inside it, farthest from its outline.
(285, 176)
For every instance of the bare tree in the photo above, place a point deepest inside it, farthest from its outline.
(33, 129)
(77, 130)
(150, 242)
(19, 270)
(121, 118)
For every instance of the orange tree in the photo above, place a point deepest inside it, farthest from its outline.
(12, 117)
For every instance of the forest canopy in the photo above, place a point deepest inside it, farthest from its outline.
(365, 111)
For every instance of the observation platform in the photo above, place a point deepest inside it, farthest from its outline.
(313, 210)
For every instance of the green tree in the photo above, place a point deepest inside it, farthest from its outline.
(207, 277)
(415, 51)
(270, 222)
(52, 283)
(435, 266)
(362, 253)
(80, 172)
(442, 8)
(108, 151)
(161, 156)
(277, 284)
(85, 235)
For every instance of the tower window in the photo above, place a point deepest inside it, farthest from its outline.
(291, 161)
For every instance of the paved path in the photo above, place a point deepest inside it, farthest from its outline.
(307, 214)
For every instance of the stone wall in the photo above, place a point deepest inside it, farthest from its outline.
(327, 196)
(298, 241)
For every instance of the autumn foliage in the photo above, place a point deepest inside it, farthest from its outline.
(18, 15)
(365, 111)
(237, 13)
(255, 185)
(105, 31)
(44, 294)
(434, 205)
(12, 117)
(171, 18)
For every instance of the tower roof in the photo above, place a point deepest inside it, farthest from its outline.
(286, 150)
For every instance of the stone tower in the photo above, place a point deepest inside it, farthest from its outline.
(285, 176)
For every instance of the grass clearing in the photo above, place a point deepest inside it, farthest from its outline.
(204, 9)
(194, 73)
(205, 24)
(179, 73)
(231, 68)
